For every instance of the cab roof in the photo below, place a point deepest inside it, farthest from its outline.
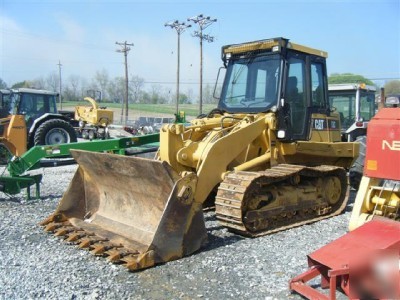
(34, 91)
(351, 87)
(274, 44)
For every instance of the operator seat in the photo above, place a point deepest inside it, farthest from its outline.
(297, 109)
(292, 91)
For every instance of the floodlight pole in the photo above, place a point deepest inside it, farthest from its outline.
(203, 23)
(179, 27)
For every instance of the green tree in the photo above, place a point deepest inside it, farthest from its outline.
(136, 88)
(392, 87)
(21, 84)
(101, 82)
(183, 99)
(71, 91)
(208, 95)
(38, 83)
(53, 82)
(116, 90)
(348, 78)
(155, 94)
(3, 84)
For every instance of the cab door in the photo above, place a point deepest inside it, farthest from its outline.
(325, 125)
(295, 97)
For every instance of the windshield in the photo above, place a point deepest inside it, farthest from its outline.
(5, 101)
(14, 99)
(32, 105)
(251, 84)
(367, 106)
(344, 102)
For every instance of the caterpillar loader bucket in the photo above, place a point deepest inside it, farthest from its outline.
(135, 211)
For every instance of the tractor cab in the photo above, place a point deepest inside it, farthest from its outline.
(278, 76)
(34, 112)
(356, 106)
(32, 103)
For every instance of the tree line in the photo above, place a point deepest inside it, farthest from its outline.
(391, 87)
(106, 89)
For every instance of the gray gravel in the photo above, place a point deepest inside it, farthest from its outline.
(35, 264)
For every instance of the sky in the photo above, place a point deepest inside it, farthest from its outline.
(361, 37)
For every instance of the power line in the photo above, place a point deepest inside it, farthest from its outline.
(51, 60)
(53, 40)
(172, 82)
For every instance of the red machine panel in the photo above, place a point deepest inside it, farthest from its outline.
(383, 145)
(352, 262)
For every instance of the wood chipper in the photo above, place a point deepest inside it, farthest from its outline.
(365, 263)
(93, 120)
(269, 156)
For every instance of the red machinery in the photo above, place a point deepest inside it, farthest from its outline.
(383, 145)
(365, 263)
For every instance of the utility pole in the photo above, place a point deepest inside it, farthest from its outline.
(59, 73)
(125, 49)
(179, 27)
(203, 23)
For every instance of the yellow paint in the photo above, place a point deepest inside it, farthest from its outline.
(372, 165)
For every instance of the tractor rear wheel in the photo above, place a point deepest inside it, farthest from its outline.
(55, 131)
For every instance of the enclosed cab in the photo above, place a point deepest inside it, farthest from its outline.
(280, 76)
(355, 104)
(32, 103)
(36, 112)
(392, 100)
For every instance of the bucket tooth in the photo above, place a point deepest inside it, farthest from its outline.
(63, 230)
(89, 241)
(51, 227)
(75, 236)
(139, 261)
(84, 243)
(116, 254)
(54, 218)
(100, 248)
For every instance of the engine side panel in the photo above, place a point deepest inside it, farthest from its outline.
(383, 150)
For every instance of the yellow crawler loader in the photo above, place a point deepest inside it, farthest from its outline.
(270, 157)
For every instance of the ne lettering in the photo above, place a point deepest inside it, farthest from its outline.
(391, 145)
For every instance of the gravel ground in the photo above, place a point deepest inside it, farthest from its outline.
(37, 265)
